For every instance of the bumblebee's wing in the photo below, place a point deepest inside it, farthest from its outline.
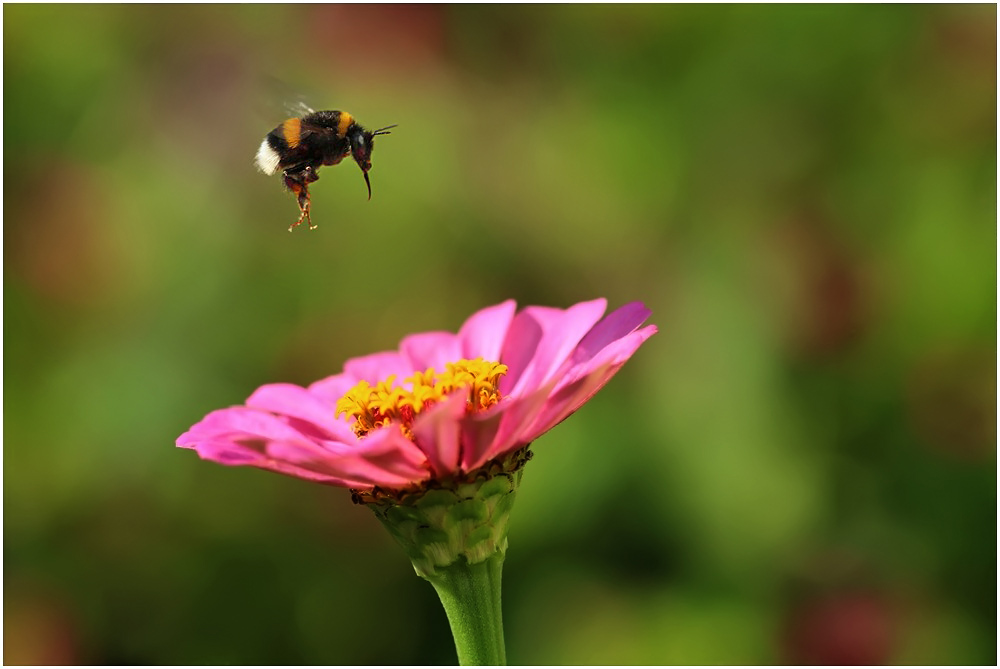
(298, 108)
(277, 100)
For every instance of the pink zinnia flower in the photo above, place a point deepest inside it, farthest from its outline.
(441, 406)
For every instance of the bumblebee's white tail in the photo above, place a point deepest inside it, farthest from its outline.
(267, 158)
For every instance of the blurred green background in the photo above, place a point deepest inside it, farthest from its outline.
(800, 467)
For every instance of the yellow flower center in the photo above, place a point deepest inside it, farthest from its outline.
(374, 407)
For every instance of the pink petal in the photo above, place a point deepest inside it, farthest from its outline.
(436, 432)
(540, 339)
(384, 458)
(430, 350)
(239, 421)
(377, 367)
(483, 334)
(519, 347)
(568, 399)
(257, 430)
(287, 399)
(239, 435)
(233, 454)
(581, 383)
(617, 324)
(508, 425)
(617, 351)
(479, 433)
(332, 388)
(299, 457)
(224, 452)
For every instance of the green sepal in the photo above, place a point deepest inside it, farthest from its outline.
(453, 519)
(455, 532)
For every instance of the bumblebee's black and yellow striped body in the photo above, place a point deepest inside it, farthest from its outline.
(300, 146)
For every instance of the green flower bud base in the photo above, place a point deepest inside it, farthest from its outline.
(455, 533)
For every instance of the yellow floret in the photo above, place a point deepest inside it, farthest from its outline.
(387, 403)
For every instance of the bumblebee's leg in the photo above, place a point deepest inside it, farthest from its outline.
(297, 181)
(302, 194)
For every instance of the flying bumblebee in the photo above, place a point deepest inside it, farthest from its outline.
(300, 146)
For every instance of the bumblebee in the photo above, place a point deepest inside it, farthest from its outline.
(300, 146)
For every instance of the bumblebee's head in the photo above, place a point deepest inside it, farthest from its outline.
(362, 143)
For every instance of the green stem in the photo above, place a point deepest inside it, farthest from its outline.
(471, 598)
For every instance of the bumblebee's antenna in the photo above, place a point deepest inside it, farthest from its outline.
(383, 131)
